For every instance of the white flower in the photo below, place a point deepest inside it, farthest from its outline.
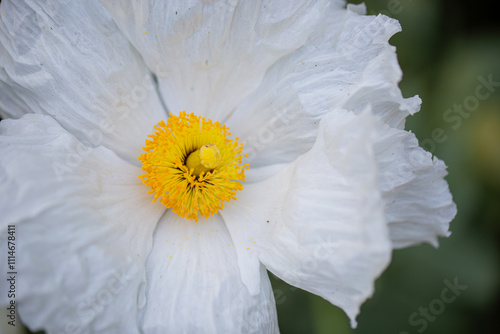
(335, 183)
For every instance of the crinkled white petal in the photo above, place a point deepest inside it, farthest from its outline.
(210, 55)
(347, 63)
(418, 202)
(84, 227)
(318, 224)
(195, 286)
(69, 60)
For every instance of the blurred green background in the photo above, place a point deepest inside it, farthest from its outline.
(444, 47)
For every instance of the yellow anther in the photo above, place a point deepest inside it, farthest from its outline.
(191, 166)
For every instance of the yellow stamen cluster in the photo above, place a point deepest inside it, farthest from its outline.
(191, 166)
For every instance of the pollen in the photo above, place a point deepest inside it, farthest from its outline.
(192, 166)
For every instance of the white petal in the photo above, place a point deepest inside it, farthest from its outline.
(84, 227)
(418, 202)
(209, 55)
(360, 8)
(68, 59)
(319, 224)
(346, 64)
(194, 283)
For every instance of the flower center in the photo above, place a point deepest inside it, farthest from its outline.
(191, 166)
